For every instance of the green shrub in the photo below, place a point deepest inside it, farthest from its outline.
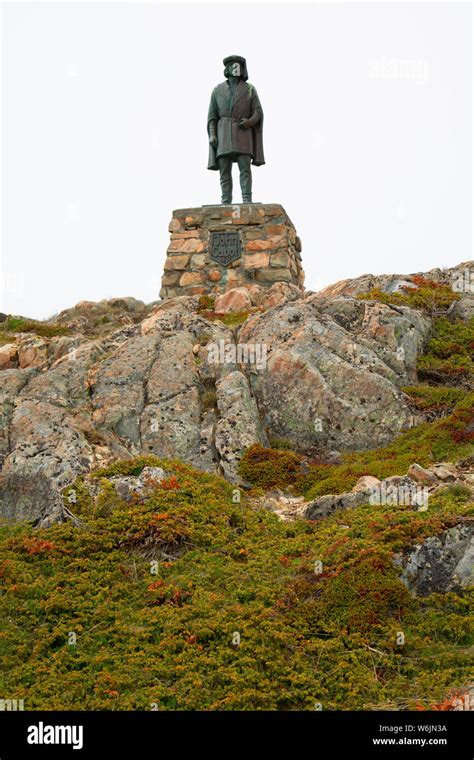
(449, 355)
(206, 303)
(281, 443)
(209, 399)
(429, 296)
(434, 398)
(233, 319)
(269, 468)
(14, 325)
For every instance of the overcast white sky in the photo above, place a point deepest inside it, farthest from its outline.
(367, 137)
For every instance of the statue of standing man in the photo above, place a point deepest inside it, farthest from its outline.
(235, 125)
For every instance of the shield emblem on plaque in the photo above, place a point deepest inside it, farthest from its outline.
(225, 247)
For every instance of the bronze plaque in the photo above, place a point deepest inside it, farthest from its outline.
(225, 247)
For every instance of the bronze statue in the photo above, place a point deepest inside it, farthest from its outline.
(235, 125)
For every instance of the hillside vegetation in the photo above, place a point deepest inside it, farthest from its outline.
(189, 596)
(168, 640)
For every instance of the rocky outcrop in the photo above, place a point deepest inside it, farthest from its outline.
(441, 563)
(44, 438)
(324, 372)
(95, 318)
(243, 299)
(239, 424)
(8, 356)
(334, 368)
(326, 505)
(45, 452)
(463, 309)
(460, 278)
(129, 487)
(368, 490)
(30, 496)
(31, 351)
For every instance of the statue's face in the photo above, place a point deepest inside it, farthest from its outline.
(233, 70)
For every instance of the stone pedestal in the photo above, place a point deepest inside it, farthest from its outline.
(216, 248)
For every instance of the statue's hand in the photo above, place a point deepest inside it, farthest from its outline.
(245, 123)
(213, 141)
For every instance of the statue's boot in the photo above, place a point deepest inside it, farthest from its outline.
(246, 199)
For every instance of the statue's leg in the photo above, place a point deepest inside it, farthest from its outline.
(225, 169)
(245, 178)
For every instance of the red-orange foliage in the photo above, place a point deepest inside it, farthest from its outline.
(38, 545)
(170, 484)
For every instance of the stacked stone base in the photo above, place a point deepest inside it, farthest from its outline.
(270, 250)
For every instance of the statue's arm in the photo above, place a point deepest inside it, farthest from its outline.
(256, 108)
(212, 117)
(213, 112)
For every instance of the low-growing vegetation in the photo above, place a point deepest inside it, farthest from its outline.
(430, 296)
(183, 599)
(14, 325)
(206, 306)
(269, 467)
(437, 399)
(449, 355)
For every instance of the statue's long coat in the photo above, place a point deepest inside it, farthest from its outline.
(227, 109)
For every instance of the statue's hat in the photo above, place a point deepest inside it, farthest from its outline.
(237, 59)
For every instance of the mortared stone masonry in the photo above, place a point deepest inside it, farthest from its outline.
(216, 248)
